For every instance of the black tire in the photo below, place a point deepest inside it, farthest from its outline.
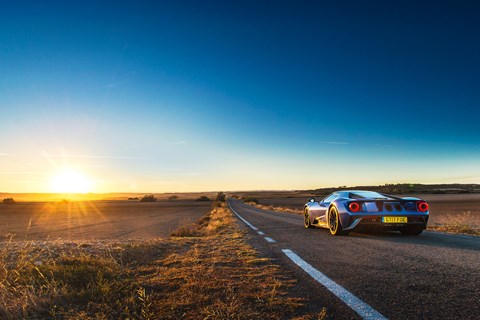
(412, 230)
(306, 219)
(334, 224)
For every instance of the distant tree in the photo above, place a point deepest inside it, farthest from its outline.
(203, 198)
(173, 197)
(9, 201)
(220, 197)
(148, 198)
(134, 198)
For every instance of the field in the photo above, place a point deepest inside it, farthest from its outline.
(448, 212)
(120, 219)
(95, 220)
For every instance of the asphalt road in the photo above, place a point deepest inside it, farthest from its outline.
(431, 276)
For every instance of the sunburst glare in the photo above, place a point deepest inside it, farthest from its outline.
(70, 181)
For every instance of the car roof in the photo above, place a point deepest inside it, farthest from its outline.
(368, 193)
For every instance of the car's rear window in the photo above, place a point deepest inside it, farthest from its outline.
(366, 195)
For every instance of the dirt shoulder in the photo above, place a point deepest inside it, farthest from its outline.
(205, 270)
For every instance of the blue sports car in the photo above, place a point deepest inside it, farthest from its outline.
(348, 210)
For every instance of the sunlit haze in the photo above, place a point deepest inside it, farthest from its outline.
(220, 95)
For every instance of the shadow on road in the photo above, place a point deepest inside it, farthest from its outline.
(428, 238)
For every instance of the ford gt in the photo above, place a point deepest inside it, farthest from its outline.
(344, 211)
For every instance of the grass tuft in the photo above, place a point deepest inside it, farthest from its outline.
(278, 209)
(460, 223)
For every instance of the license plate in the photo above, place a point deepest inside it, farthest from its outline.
(394, 219)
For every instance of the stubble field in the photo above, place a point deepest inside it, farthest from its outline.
(96, 220)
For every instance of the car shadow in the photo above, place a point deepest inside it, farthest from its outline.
(428, 238)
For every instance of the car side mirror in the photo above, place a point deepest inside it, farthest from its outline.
(311, 200)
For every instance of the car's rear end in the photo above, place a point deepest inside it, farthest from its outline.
(408, 215)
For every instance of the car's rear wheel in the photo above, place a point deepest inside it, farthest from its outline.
(412, 230)
(306, 219)
(334, 224)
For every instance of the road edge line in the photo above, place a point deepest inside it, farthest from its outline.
(239, 217)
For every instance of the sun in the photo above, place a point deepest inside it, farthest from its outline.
(70, 181)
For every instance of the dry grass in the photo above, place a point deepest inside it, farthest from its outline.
(205, 271)
(41, 281)
(220, 277)
(279, 209)
(458, 223)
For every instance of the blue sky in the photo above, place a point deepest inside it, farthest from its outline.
(223, 95)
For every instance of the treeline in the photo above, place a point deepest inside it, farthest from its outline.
(405, 188)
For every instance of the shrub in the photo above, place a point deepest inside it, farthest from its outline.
(174, 197)
(148, 198)
(9, 201)
(220, 197)
(188, 230)
(203, 198)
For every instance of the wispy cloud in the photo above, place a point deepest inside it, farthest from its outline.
(126, 79)
(177, 142)
(346, 143)
(84, 156)
(7, 154)
(182, 174)
(334, 142)
(382, 145)
(19, 172)
(86, 166)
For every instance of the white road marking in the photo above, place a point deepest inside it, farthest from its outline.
(239, 217)
(270, 240)
(357, 305)
(252, 226)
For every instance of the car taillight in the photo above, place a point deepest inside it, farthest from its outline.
(354, 207)
(422, 206)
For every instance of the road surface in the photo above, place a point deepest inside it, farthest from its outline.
(382, 275)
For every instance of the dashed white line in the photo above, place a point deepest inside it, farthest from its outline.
(270, 240)
(239, 217)
(357, 305)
